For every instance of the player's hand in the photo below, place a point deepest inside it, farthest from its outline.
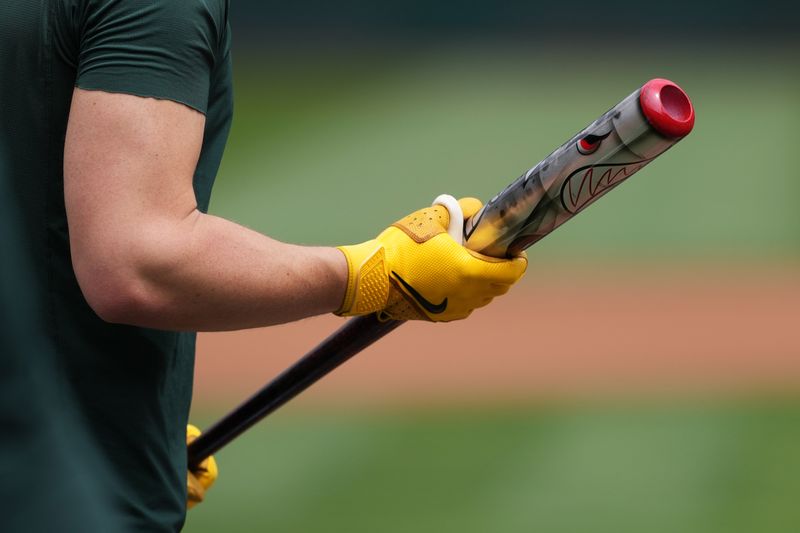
(200, 479)
(414, 270)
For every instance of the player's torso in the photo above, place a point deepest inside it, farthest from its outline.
(133, 384)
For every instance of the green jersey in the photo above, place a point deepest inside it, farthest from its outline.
(51, 476)
(133, 385)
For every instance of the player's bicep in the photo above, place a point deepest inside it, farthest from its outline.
(127, 155)
(128, 168)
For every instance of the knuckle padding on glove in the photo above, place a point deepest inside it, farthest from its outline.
(425, 224)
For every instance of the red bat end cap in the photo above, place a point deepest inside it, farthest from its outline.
(667, 108)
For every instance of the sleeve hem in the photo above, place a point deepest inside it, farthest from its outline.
(142, 94)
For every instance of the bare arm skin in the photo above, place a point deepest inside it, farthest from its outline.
(142, 252)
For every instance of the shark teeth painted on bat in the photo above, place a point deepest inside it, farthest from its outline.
(587, 184)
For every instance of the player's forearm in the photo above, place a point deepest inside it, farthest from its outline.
(205, 273)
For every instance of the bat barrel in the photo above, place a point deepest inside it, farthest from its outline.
(601, 156)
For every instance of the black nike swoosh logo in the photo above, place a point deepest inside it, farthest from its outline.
(427, 305)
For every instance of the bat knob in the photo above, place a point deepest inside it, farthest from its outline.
(667, 108)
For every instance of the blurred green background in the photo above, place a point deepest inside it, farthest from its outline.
(348, 117)
(358, 138)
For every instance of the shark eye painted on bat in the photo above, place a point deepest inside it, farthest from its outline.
(588, 144)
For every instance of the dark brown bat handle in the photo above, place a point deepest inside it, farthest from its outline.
(355, 335)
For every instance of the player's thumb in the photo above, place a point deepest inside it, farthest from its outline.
(469, 206)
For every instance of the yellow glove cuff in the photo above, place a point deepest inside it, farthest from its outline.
(367, 279)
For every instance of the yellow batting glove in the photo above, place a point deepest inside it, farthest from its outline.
(200, 479)
(415, 270)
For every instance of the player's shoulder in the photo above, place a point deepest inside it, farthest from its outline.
(217, 9)
(159, 17)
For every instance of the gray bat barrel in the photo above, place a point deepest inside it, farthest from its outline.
(604, 154)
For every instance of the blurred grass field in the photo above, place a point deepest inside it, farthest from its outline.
(727, 468)
(328, 148)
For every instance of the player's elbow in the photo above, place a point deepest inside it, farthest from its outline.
(119, 297)
(115, 285)
(124, 303)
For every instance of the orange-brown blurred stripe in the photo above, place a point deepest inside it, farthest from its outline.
(564, 333)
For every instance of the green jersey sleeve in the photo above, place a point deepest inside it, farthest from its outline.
(163, 49)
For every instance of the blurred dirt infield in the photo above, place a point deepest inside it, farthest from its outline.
(576, 333)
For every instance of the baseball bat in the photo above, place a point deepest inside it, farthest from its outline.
(601, 156)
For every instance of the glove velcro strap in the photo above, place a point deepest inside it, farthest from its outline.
(367, 279)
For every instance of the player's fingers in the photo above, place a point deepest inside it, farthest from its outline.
(195, 492)
(499, 289)
(469, 206)
(501, 272)
(207, 472)
(192, 432)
